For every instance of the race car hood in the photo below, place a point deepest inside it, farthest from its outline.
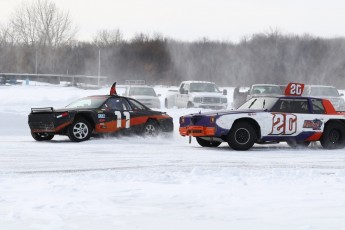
(224, 112)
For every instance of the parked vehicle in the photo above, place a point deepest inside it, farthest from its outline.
(102, 114)
(292, 118)
(256, 90)
(199, 94)
(145, 94)
(328, 92)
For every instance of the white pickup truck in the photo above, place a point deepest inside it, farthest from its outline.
(199, 94)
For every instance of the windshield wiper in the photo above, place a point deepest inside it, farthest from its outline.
(252, 104)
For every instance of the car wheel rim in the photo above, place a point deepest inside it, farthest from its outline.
(150, 130)
(242, 136)
(80, 130)
(334, 136)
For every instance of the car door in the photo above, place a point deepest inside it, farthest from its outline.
(117, 114)
(289, 118)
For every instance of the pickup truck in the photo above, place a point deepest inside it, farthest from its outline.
(198, 94)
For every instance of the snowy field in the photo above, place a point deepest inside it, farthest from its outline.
(157, 183)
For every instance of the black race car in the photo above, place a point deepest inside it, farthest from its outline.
(105, 114)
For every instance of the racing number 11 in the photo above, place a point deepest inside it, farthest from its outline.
(119, 119)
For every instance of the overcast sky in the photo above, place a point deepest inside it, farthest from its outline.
(194, 19)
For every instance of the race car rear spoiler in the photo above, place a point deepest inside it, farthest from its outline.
(42, 110)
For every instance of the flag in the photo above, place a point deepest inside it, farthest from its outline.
(113, 89)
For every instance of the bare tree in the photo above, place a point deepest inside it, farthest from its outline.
(108, 37)
(7, 36)
(42, 23)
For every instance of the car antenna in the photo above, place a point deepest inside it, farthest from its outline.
(113, 89)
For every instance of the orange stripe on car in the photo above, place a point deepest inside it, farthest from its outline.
(315, 137)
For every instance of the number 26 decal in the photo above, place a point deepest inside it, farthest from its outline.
(284, 124)
(294, 89)
(119, 119)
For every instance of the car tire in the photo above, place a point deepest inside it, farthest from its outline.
(79, 130)
(298, 144)
(333, 136)
(42, 136)
(242, 136)
(151, 129)
(206, 143)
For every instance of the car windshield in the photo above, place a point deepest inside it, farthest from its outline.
(260, 103)
(324, 91)
(266, 89)
(142, 91)
(87, 102)
(204, 87)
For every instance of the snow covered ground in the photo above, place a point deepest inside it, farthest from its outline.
(157, 183)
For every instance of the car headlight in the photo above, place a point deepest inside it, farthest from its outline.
(197, 99)
(224, 100)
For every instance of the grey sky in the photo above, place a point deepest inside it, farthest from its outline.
(194, 19)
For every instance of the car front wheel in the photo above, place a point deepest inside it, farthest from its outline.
(151, 128)
(79, 131)
(242, 136)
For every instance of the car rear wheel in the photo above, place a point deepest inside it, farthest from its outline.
(206, 143)
(242, 136)
(298, 144)
(333, 136)
(79, 131)
(42, 136)
(151, 128)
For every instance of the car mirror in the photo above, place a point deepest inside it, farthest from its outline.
(225, 92)
(341, 94)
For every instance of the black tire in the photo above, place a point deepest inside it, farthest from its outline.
(79, 130)
(206, 143)
(151, 129)
(242, 136)
(42, 136)
(298, 144)
(333, 136)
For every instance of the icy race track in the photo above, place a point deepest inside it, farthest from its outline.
(157, 183)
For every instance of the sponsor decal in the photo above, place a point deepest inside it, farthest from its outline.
(101, 115)
(283, 124)
(313, 124)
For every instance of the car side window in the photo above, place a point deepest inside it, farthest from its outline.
(136, 105)
(116, 104)
(317, 106)
(291, 106)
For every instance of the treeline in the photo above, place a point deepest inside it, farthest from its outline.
(40, 38)
(264, 58)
